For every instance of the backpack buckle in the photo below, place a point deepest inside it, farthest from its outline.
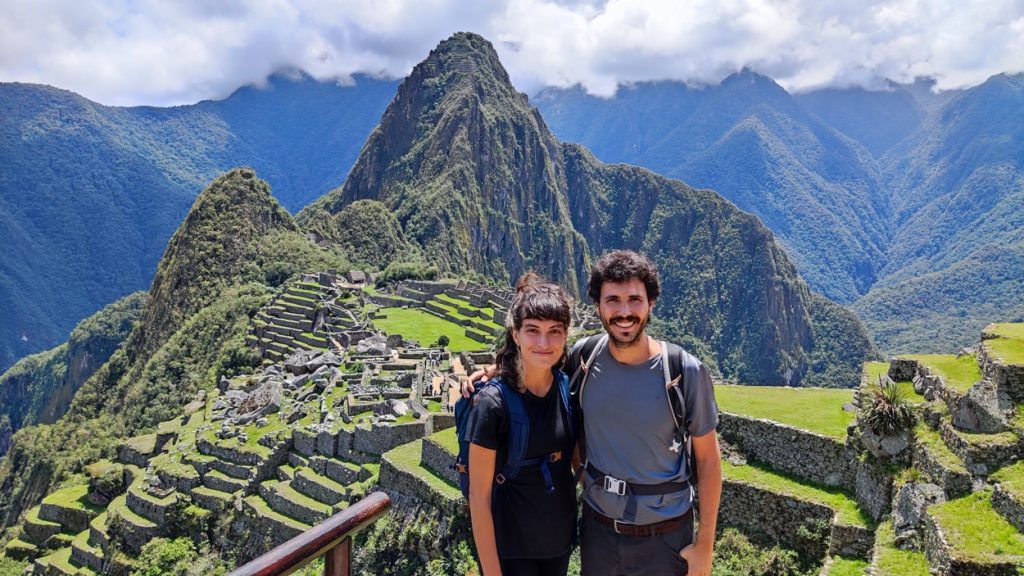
(614, 485)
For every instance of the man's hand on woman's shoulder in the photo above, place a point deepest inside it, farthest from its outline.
(469, 384)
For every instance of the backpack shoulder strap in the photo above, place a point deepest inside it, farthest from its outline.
(567, 405)
(518, 431)
(672, 362)
(581, 357)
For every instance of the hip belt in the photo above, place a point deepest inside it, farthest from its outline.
(630, 490)
(638, 530)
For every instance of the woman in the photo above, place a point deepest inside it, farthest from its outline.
(525, 524)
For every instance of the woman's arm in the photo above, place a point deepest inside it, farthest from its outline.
(481, 481)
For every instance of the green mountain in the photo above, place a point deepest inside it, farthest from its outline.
(753, 143)
(90, 194)
(958, 197)
(39, 388)
(234, 245)
(478, 181)
(902, 202)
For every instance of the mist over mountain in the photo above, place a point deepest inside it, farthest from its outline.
(90, 194)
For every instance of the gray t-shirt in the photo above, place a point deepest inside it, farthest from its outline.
(629, 430)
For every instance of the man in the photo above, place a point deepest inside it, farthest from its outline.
(637, 514)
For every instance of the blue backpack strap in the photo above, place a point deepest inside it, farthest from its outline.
(518, 433)
(570, 414)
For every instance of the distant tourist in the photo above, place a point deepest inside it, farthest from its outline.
(523, 508)
(648, 419)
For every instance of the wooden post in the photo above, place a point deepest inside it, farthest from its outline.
(336, 560)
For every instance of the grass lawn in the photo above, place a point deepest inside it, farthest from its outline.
(958, 373)
(892, 561)
(419, 325)
(818, 410)
(975, 531)
(875, 370)
(1010, 346)
(73, 497)
(1011, 478)
(446, 439)
(842, 566)
(847, 511)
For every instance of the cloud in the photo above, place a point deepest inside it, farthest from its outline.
(156, 52)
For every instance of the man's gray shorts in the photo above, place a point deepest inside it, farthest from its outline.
(605, 553)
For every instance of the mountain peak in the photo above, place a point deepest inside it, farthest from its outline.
(214, 246)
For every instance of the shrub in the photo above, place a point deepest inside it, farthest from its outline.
(177, 557)
(888, 411)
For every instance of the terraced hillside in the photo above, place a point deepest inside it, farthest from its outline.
(349, 403)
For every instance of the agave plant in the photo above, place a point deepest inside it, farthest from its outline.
(887, 411)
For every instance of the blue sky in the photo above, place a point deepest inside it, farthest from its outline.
(165, 52)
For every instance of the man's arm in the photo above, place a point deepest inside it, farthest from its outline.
(709, 490)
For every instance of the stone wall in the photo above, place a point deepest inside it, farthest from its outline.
(337, 471)
(851, 541)
(72, 519)
(304, 441)
(1008, 377)
(803, 454)
(380, 438)
(306, 484)
(231, 469)
(873, 489)
(942, 560)
(981, 458)
(953, 483)
(150, 509)
(395, 479)
(1008, 506)
(771, 518)
(283, 505)
(439, 460)
(229, 454)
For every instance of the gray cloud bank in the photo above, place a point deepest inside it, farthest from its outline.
(163, 52)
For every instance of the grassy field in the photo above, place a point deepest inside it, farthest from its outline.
(958, 373)
(847, 567)
(1012, 479)
(1010, 347)
(976, 531)
(446, 438)
(817, 410)
(418, 325)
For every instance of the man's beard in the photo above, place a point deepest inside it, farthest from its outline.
(641, 324)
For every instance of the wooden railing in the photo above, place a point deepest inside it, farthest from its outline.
(331, 538)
